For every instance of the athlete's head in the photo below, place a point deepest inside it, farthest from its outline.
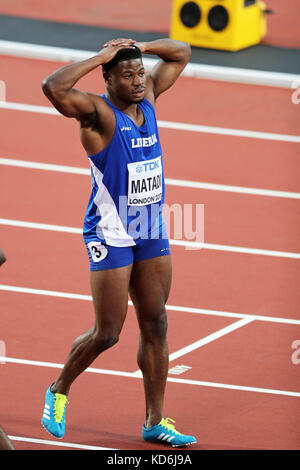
(122, 55)
(125, 76)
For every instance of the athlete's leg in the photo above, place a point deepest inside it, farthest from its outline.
(149, 289)
(110, 298)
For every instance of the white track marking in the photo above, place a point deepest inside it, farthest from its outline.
(235, 249)
(232, 189)
(208, 339)
(208, 72)
(2, 350)
(50, 293)
(57, 443)
(203, 341)
(242, 388)
(45, 166)
(31, 108)
(169, 379)
(180, 126)
(183, 243)
(2, 90)
(54, 365)
(40, 226)
(169, 181)
(174, 308)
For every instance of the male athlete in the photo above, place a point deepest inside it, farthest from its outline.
(124, 232)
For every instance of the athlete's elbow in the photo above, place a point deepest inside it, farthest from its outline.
(56, 96)
(51, 88)
(45, 85)
(186, 52)
(2, 257)
(48, 87)
(183, 52)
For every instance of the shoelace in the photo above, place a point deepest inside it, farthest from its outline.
(59, 406)
(166, 422)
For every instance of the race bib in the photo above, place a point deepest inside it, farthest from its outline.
(98, 251)
(144, 182)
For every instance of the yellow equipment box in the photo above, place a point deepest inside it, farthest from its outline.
(229, 25)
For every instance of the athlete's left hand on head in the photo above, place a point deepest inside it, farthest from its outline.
(117, 42)
(141, 46)
(128, 42)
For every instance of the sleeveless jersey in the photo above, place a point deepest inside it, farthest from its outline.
(127, 193)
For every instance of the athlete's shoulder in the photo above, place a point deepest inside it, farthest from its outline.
(97, 130)
(105, 114)
(99, 101)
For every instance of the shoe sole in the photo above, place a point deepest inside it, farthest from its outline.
(184, 445)
(170, 444)
(53, 435)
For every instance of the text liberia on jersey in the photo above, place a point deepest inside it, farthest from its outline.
(143, 141)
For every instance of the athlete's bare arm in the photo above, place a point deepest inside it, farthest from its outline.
(58, 87)
(95, 117)
(174, 57)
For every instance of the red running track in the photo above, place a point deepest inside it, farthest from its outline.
(233, 396)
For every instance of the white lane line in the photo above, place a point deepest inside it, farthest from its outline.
(31, 108)
(40, 226)
(45, 166)
(208, 339)
(171, 308)
(49, 293)
(169, 181)
(229, 132)
(180, 126)
(242, 388)
(57, 443)
(235, 249)
(53, 365)
(203, 341)
(2, 350)
(232, 189)
(184, 243)
(169, 379)
(208, 72)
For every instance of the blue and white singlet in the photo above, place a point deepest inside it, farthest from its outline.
(128, 192)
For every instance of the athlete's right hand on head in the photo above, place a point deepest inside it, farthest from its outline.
(111, 48)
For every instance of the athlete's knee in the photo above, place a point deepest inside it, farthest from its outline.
(155, 326)
(161, 324)
(105, 339)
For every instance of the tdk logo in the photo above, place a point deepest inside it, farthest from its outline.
(147, 166)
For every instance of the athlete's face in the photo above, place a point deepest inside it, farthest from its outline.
(128, 80)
